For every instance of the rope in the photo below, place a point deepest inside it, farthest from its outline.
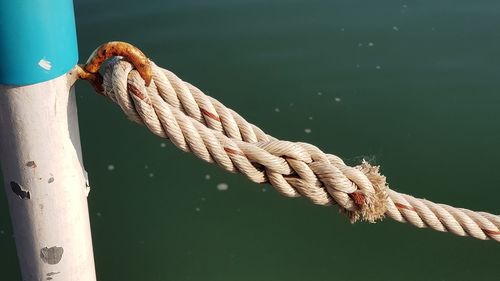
(194, 122)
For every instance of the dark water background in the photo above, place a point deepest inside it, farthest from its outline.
(410, 85)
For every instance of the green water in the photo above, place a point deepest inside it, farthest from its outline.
(410, 85)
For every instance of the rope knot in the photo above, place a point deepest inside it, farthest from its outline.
(373, 205)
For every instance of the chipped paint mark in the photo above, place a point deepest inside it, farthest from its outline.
(87, 183)
(52, 273)
(19, 191)
(51, 179)
(31, 164)
(45, 64)
(51, 255)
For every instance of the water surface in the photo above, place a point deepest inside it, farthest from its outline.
(410, 85)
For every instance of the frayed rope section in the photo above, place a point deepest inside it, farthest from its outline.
(194, 122)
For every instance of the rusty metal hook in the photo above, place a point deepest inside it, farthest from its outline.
(90, 71)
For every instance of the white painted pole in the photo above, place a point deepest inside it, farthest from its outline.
(45, 181)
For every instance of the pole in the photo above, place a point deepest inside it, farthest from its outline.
(40, 150)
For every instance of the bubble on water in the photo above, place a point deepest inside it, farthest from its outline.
(276, 110)
(378, 67)
(163, 144)
(151, 175)
(207, 176)
(371, 44)
(337, 99)
(222, 186)
(197, 209)
(111, 167)
(310, 118)
(395, 28)
(307, 130)
(320, 93)
(264, 189)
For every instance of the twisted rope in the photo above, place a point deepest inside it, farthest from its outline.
(197, 123)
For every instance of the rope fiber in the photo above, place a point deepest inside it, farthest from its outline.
(194, 122)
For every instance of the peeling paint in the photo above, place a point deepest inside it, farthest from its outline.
(45, 64)
(19, 191)
(51, 255)
(87, 183)
(51, 179)
(31, 164)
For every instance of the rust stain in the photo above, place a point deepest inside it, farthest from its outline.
(490, 232)
(402, 206)
(136, 91)
(234, 151)
(209, 114)
(95, 79)
(358, 198)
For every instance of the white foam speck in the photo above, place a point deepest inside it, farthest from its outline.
(337, 99)
(197, 209)
(310, 118)
(342, 29)
(99, 214)
(151, 175)
(111, 167)
(360, 44)
(395, 28)
(222, 186)
(264, 189)
(371, 44)
(207, 176)
(378, 67)
(320, 93)
(276, 110)
(45, 64)
(307, 130)
(163, 144)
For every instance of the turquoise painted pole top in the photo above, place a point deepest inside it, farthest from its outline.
(37, 40)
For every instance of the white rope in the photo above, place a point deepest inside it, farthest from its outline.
(197, 123)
